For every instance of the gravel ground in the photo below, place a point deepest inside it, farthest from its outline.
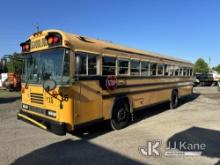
(196, 121)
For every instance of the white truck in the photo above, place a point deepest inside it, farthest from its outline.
(3, 78)
(216, 77)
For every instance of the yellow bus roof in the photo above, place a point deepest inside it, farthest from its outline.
(80, 42)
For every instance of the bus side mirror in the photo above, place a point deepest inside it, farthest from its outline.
(49, 85)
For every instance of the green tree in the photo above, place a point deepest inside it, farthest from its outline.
(3, 66)
(200, 66)
(15, 63)
(217, 68)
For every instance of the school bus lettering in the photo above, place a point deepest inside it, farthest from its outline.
(39, 43)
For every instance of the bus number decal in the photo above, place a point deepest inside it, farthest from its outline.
(50, 100)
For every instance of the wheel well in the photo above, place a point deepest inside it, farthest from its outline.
(175, 90)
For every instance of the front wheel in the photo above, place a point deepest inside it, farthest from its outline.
(121, 116)
(174, 101)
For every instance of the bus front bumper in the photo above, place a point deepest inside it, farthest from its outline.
(57, 128)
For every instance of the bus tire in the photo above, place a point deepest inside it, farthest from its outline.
(121, 115)
(174, 100)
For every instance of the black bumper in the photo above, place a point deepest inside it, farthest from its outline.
(57, 128)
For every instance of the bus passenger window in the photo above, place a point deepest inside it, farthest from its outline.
(172, 71)
(92, 65)
(66, 68)
(181, 72)
(108, 64)
(184, 72)
(123, 67)
(144, 68)
(135, 68)
(190, 72)
(160, 71)
(187, 72)
(81, 63)
(153, 69)
(177, 71)
(166, 70)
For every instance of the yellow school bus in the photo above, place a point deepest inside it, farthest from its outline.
(70, 81)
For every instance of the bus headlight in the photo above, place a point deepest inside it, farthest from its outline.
(25, 106)
(51, 114)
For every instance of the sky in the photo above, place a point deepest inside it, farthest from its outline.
(187, 29)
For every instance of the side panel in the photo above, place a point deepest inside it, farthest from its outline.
(107, 107)
(183, 91)
(87, 101)
(145, 92)
(149, 98)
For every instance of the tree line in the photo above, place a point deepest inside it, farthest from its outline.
(201, 66)
(11, 63)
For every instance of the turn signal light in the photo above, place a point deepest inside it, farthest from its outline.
(50, 40)
(25, 46)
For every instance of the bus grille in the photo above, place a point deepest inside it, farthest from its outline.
(37, 98)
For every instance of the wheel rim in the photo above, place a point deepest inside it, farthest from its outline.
(122, 115)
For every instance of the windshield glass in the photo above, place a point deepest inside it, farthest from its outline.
(51, 64)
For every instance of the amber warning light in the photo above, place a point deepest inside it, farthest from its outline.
(53, 39)
(25, 46)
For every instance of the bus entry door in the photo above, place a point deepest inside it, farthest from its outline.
(88, 103)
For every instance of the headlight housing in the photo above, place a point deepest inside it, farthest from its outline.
(51, 114)
(25, 106)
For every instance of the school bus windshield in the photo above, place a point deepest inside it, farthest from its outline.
(50, 64)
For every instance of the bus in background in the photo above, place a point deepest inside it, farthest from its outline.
(71, 81)
(11, 67)
(13, 82)
(3, 78)
(10, 81)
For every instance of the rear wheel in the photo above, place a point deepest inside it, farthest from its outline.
(174, 101)
(121, 116)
